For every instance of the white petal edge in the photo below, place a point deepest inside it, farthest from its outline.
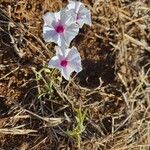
(54, 62)
(48, 18)
(74, 5)
(87, 18)
(71, 32)
(74, 59)
(76, 64)
(66, 72)
(61, 51)
(73, 53)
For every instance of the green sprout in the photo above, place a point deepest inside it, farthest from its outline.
(80, 128)
(45, 76)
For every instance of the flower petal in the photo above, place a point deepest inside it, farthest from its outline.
(72, 53)
(66, 72)
(61, 51)
(76, 64)
(54, 62)
(71, 32)
(85, 16)
(75, 5)
(80, 12)
(57, 15)
(66, 17)
(61, 41)
(74, 59)
(49, 34)
(48, 18)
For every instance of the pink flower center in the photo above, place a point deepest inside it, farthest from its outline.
(59, 29)
(64, 63)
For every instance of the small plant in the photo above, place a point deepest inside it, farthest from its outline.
(79, 128)
(61, 28)
(47, 88)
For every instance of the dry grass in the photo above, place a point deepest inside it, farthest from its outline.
(38, 108)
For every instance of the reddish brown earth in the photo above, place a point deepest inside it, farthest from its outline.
(115, 50)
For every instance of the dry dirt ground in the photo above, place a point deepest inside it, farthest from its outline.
(106, 106)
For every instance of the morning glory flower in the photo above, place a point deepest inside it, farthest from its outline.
(66, 60)
(81, 14)
(59, 28)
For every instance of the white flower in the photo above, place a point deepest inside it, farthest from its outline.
(66, 60)
(81, 14)
(59, 28)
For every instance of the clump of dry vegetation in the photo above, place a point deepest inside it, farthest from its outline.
(106, 106)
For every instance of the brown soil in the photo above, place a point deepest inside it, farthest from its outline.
(113, 87)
